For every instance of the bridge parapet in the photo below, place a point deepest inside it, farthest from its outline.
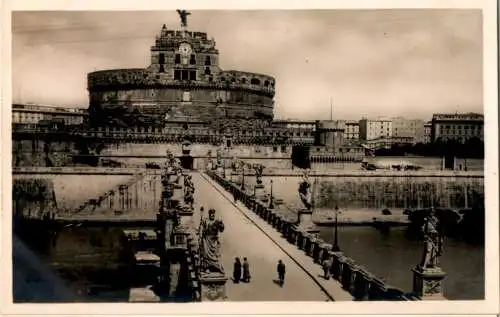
(118, 200)
(355, 279)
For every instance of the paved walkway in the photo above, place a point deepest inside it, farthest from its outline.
(243, 238)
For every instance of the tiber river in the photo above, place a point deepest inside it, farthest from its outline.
(389, 255)
(392, 256)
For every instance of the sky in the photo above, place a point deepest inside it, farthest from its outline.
(369, 63)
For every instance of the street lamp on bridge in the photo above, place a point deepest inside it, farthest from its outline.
(243, 177)
(336, 247)
(271, 197)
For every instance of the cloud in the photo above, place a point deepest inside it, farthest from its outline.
(370, 62)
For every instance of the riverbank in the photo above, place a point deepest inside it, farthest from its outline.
(360, 217)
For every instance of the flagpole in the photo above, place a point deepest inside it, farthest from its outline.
(331, 109)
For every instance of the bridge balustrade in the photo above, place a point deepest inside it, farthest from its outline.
(355, 279)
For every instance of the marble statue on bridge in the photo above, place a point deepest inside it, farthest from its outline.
(171, 162)
(259, 168)
(433, 242)
(210, 243)
(235, 164)
(305, 192)
(189, 197)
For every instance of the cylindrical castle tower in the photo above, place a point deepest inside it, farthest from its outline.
(184, 83)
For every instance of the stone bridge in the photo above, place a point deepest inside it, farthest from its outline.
(253, 230)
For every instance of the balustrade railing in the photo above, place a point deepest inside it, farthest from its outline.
(354, 278)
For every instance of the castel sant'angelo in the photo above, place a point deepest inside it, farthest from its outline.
(184, 83)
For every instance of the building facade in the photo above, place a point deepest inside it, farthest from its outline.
(351, 133)
(387, 142)
(428, 132)
(183, 82)
(34, 114)
(460, 127)
(370, 129)
(402, 127)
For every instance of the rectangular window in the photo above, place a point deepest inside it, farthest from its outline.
(192, 60)
(177, 74)
(192, 75)
(208, 61)
(185, 75)
(161, 59)
(177, 58)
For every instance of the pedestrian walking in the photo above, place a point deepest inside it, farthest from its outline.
(237, 270)
(281, 272)
(246, 271)
(327, 264)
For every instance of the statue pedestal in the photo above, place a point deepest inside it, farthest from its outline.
(305, 223)
(259, 191)
(213, 287)
(428, 283)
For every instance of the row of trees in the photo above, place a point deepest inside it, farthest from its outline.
(472, 148)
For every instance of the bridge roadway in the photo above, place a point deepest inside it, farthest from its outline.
(246, 235)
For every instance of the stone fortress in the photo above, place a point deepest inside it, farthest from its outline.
(183, 83)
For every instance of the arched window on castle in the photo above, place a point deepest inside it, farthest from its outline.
(266, 83)
(243, 80)
(255, 81)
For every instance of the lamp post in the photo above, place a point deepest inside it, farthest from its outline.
(243, 177)
(271, 198)
(336, 247)
(224, 167)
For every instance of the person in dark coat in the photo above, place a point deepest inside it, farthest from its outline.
(246, 271)
(281, 272)
(237, 270)
(327, 264)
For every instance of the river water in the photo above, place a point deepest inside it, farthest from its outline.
(391, 256)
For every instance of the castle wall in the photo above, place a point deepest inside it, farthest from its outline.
(42, 153)
(154, 105)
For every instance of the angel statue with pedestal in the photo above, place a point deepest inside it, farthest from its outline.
(433, 242)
